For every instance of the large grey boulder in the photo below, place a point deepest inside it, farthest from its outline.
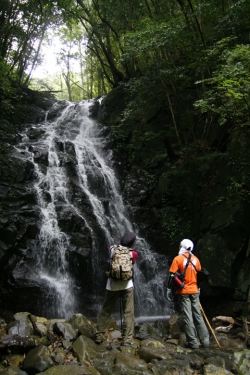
(37, 360)
(83, 325)
(71, 370)
(22, 325)
(212, 369)
(66, 330)
(86, 349)
(242, 359)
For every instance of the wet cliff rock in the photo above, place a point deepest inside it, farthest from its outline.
(20, 219)
(199, 192)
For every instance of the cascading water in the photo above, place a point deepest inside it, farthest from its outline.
(78, 186)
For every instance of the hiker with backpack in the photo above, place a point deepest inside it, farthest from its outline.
(183, 281)
(120, 285)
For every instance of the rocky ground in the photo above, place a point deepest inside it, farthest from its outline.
(31, 345)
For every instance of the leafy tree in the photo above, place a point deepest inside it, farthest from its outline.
(227, 98)
(7, 91)
(22, 29)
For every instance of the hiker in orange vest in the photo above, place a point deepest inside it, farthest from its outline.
(188, 294)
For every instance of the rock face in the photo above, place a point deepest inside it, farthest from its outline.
(199, 193)
(20, 219)
(61, 208)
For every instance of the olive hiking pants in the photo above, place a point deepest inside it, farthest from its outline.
(193, 319)
(111, 297)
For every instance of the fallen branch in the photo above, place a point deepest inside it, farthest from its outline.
(241, 319)
(33, 322)
(15, 340)
(224, 328)
(225, 319)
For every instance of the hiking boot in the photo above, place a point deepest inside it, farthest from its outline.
(205, 344)
(192, 346)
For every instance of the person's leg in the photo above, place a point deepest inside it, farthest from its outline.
(199, 323)
(186, 311)
(109, 302)
(128, 319)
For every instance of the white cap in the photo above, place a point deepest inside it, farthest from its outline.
(187, 245)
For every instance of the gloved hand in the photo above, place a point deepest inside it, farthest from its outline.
(169, 295)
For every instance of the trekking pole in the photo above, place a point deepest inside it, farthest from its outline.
(211, 329)
(121, 312)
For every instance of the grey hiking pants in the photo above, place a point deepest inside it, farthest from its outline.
(111, 297)
(193, 319)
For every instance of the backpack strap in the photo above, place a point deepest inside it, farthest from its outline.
(110, 260)
(186, 266)
(171, 276)
(189, 260)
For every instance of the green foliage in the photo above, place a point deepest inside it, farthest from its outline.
(170, 225)
(41, 84)
(176, 223)
(228, 95)
(238, 187)
(7, 92)
(22, 28)
(157, 50)
(151, 181)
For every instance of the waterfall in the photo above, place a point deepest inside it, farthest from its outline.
(81, 213)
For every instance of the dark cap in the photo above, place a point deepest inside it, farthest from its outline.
(128, 239)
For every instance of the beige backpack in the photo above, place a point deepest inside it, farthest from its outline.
(121, 263)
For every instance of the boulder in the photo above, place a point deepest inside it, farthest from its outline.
(12, 370)
(22, 325)
(212, 370)
(66, 330)
(86, 349)
(148, 354)
(130, 365)
(77, 369)
(37, 360)
(242, 359)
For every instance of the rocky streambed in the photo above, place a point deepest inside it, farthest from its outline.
(31, 345)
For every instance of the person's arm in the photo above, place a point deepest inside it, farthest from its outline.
(170, 280)
(134, 256)
(172, 270)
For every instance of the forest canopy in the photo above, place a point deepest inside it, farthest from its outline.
(182, 52)
(183, 67)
